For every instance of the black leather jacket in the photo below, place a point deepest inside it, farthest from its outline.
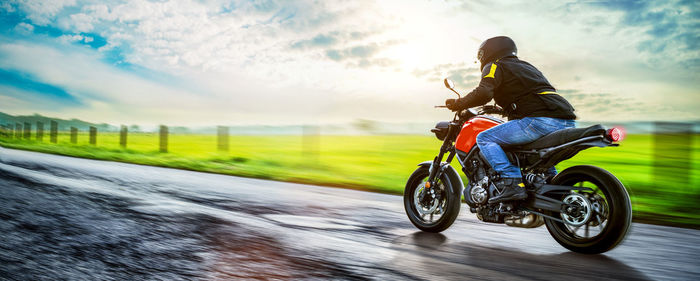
(520, 89)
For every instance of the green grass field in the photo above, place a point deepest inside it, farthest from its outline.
(383, 163)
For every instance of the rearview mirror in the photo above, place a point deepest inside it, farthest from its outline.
(449, 84)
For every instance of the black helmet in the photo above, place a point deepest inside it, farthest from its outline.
(496, 48)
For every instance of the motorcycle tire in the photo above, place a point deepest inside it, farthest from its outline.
(450, 207)
(618, 212)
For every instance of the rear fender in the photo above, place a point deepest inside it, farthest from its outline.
(577, 145)
(548, 157)
(452, 175)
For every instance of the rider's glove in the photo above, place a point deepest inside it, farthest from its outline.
(452, 104)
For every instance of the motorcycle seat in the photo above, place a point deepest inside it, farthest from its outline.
(561, 137)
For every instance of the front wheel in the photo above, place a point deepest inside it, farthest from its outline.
(595, 221)
(431, 209)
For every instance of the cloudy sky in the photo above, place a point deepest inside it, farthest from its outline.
(297, 62)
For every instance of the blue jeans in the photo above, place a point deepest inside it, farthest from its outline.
(516, 132)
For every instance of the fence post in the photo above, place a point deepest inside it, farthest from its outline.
(672, 154)
(27, 130)
(73, 135)
(163, 139)
(310, 142)
(18, 130)
(39, 131)
(93, 135)
(54, 131)
(222, 140)
(122, 136)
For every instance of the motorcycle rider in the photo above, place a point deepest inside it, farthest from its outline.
(532, 106)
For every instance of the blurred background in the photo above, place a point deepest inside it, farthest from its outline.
(657, 161)
(342, 93)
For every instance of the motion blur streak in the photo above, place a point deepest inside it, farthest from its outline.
(71, 218)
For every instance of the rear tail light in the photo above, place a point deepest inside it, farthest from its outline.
(615, 134)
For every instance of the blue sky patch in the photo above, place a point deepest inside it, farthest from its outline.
(8, 21)
(28, 83)
(96, 42)
(320, 40)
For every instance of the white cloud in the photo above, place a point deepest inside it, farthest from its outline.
(42, 12)
(190, 34)
(78, 23)
(24, 28)
(92, 82)
(68, 38)
(13, 105)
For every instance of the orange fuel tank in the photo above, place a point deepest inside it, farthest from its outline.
(467, 136)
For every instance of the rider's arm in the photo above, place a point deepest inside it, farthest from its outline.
(490, 79)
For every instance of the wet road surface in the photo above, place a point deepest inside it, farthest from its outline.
(68, 218)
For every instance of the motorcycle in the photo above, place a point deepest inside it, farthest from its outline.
(586, 209)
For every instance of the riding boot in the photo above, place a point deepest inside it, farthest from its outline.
(513, 189)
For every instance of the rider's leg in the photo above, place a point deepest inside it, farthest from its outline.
(515, 132)
(510, 133)
(490, 142)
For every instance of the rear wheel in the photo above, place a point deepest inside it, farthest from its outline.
(595, 221)
(430, 209)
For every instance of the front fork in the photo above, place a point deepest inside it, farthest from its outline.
(447, 146)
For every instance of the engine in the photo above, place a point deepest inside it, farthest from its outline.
(478, 193)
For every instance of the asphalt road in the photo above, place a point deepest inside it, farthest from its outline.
(68, 218)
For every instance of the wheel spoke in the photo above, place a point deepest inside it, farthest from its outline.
(593, 206)
(431, 216)
(575, 228)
